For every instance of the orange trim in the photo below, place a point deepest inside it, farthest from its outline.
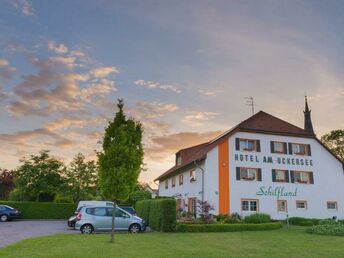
(223, 164)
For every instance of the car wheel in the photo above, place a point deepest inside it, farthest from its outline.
(134, 228)
(87, 229)
(3, 218)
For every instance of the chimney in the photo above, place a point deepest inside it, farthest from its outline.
(308, 121)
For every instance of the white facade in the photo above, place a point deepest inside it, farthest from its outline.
(328, 177)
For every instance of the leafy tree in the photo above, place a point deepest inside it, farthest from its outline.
(82, 178)
(39, 178)
(335, 142)
(6, 183)
(121, 160)
(140, 193)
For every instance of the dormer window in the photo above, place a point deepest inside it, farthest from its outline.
(178, 160)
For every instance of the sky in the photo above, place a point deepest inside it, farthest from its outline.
(183, 68)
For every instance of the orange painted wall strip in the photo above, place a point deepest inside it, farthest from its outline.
(224, 205)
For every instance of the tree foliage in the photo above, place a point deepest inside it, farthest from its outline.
(121, 160)
(39, 178)
(6, 183)
(140, 193)
(81, 177)
(335, 142)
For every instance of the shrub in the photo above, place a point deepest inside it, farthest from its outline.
(162, 215)
(299, 221)
(63, 199)
(142, 209)
(42, 210)
(229, 219)
(257, 218)
(227, 227)
(328, 228)
(204, 209)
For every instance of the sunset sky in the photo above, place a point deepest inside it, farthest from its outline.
(183, 68)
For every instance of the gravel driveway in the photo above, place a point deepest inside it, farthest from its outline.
(14, 231)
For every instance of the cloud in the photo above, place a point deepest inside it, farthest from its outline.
(59, 49)
(23, 6)
(207, 92)
(101, 72)
(149, 110)
(6, 71)
(195, 118)
(100, 88)
(156, 85)
(163, 147)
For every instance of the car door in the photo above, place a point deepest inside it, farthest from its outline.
(100, 218)
(122, 219)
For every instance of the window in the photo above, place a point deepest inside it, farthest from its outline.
(332, 206)
(282, 206)
(278, 147)
(249, 174)
(279, 175)
(249, 205)
(166, 184)
(302, 177)
(178, 159)
(192, 175)
(173, 181)
(192, 206)
(99, 211)
(119, 213)
(299, 149)
(248, 145)
(181, 179)
(301, 205)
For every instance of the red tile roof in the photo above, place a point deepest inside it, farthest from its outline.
(260, 122)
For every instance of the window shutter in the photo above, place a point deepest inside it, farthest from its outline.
(311, 178)
(237, 173)
(285, 148)
(309, 150)
(292, 180)
(273, 175)
(290, 148)
(259, 174)
(258, 145)
(287, 176)
(272, 147)
(237, 144)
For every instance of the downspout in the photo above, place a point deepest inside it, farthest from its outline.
(202, 178)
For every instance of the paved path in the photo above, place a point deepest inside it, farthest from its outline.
(14, 231)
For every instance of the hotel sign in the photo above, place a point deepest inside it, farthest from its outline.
(277, 192)
(274, 160)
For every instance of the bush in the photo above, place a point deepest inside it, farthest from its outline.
(328, 228)
(228, 219)
(227, 227)
(257, 218)
(299, 221)
(159, 214)
(162, 215)
(142, 209)
(42, 210)
(63, 199)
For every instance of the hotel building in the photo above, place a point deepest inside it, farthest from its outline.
(263, 164)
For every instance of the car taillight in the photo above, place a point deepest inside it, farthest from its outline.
(78, 216)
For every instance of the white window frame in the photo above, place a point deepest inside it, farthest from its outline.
(285, 206)
(296, 149)
(192, 175)
(300, 201)
(245, 146)
(277, 171)
(277, 144)
(251, 174)
(332, 202)
(303, 176)
(250, 201)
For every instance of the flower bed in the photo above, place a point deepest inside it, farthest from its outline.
(330, 228)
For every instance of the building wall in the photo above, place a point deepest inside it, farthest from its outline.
(327, 171)
(211, 179)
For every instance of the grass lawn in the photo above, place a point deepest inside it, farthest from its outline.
(277, 243)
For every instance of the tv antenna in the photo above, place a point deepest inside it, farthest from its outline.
(250, 102)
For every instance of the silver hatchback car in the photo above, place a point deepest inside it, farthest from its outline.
(99, 218)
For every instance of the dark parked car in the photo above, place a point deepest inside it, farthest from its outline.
(8, 213)
(72, 219)
(129, 209)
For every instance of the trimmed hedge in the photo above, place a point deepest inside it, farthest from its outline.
(160, 214)
(329, 229)
(257, 218)
(227, 227)
(142, 209)
(43, 210)
(299, 221)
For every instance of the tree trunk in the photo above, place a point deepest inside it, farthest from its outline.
(113, 223)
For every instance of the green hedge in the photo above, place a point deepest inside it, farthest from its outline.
(142, 209)
(299, 221)
(160, 214)
(257, 218)
(330, 229)
(227, 227)
(43, 210)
